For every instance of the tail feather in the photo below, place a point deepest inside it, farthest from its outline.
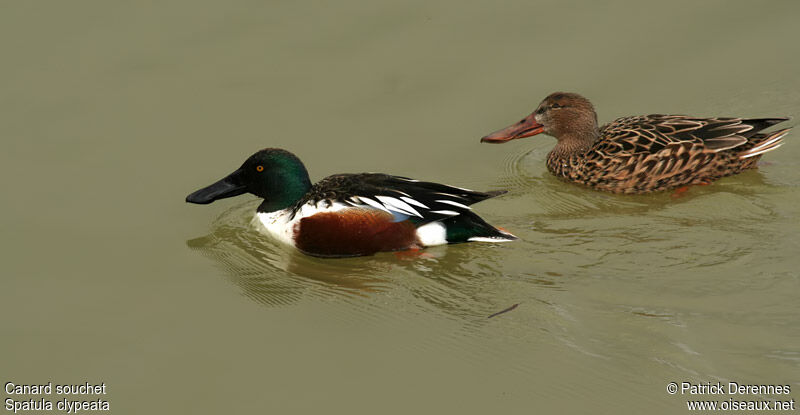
(469, 227)
(503, 238)
(770, 142)
(759, 124)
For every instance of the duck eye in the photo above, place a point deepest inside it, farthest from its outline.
(540, 111)
(259, 168)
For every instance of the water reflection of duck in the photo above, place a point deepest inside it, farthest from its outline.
(275, 274)
(352, 214)
(642, 154)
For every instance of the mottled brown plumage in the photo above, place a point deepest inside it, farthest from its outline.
(646, 153)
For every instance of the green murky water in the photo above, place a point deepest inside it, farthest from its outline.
(112, 113)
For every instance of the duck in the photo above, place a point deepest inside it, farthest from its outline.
(645, 153)
(346, 215)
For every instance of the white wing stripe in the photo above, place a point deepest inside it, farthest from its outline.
(414, 202)
(456, 204)
(399, 205)
(372, 203)
(400, 192)
(446, 212)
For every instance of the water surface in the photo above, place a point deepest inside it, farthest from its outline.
(113, 113)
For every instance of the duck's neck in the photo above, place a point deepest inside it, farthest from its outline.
(575, 143)
(285, 190)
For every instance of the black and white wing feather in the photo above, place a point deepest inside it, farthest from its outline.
(403, 197)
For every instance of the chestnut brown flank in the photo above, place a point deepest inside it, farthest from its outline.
(353, 232)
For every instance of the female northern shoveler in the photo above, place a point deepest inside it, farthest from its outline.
(645, 153)
(352, 214)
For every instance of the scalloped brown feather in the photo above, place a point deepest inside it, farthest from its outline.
(649, 153)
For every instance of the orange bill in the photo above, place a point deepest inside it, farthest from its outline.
(525, 128)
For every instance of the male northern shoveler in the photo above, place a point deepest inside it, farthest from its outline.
(352, 214)
(642, 154)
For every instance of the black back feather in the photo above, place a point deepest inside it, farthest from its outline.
(350, 188)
